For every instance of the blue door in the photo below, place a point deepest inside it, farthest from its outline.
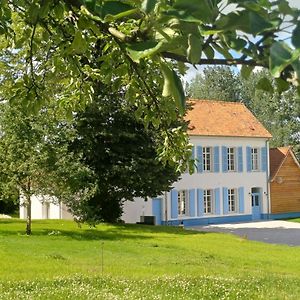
(256, 206)
(157, 210)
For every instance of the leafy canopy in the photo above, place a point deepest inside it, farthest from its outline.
(138, 43)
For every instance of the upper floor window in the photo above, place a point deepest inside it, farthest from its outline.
(207, 158)
(182, 202)
(254, 159)
(231, 159)
(207, 197)
(232, 200)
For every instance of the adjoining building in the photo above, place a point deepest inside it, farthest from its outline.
(284, 183)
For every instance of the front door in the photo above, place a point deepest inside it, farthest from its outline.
(256, 214)
(157, 210)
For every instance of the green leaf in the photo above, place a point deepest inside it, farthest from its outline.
(194, 49)
(285, 8)
(44, 10)
(237, 44)
(112, 8)
(148, 6)
(265, 85)
(59, 10)
(33, 13)
(90, 4)
(201, 10)
(296, 67)
(247, 21)
(296, 36)
(209, 52)
(126, 13)
(280, 57)
(79, 44)
(246, 71)
(282, 85)
(222, 50)
(173, 87)
(141, 50)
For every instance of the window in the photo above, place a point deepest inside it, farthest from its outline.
(231, 159)
(231, 200)
(182, 203)
(254, 159)
(207, 158)
(208, 201)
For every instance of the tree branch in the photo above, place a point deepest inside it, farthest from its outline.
(216, 61)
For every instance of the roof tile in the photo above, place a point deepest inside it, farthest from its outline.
(222, 118)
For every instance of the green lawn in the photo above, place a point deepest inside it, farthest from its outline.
(297, 220)
(62, 261)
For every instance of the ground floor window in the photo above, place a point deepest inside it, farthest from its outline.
(207, 201)
(232, 199)
(183, 203)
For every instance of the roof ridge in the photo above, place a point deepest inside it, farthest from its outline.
(218, 101)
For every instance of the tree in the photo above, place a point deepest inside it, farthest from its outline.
(21, 156)
(122, 155)
(216, 83)
(141, 41)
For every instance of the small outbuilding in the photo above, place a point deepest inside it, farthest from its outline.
(284, 183)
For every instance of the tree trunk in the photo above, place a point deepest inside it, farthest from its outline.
(28, 219)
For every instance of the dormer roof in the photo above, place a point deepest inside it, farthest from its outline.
(222, 118)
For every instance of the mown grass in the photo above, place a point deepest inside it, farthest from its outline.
(297, 220)
(62, 261)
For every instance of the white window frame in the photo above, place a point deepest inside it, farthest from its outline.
(208, 201)
(254, 159)
(183, 203)
(232, 200)
(231, 159)
(207, 159)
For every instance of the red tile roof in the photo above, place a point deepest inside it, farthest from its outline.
(221, 118)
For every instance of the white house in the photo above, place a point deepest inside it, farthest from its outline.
(44, 207)
(230, 182)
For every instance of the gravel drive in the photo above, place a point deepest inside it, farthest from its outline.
(274, 232)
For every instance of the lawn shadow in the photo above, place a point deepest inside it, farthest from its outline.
(99, 232)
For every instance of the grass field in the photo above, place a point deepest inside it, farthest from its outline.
(62, 261)
(297, 220)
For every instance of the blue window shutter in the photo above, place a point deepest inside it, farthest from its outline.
(199, 159)
(241, 200)
(216, 159)
(248, 157)
(224, 159)
(217, 201)
(200, 205)
(193, 152)
(225, 201)
(263, 159)
(174, 204)
(240, 159)
(192, 203)
(193, 157)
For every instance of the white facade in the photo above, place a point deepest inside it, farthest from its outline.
(45, 208)
(244, 182)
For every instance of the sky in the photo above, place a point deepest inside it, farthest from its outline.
(192, 71)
